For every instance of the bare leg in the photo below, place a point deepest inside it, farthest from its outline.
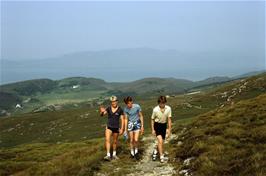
(108, 134)
(131, 135)
(136, 139)
(115, 137)
(160, 145)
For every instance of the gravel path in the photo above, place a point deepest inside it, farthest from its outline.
(147, 167)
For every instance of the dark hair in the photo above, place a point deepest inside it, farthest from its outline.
(162, 99)
(128, 99)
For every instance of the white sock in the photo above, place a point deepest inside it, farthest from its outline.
(132, 152)
(114, 153)
(136, 150)
(162, 156)
(155, 151)
(108, 154)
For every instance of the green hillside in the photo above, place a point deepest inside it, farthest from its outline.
(73, 124)
(220, 131)
(46, 92)
(75, 90)
(228, 141)
(26, 88)
(158, 85)
(8, 100)
(93, 83)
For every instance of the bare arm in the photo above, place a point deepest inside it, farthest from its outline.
(122, 124)
(169, 126)
(170, 121)
(125, 122)
(152, 123)
(152, 127)
(142, 122)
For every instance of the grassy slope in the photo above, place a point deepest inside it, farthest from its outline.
(80, 158)
(84, 123)
(74, 125)
(228, 141)
(52, 127)
(65, 126)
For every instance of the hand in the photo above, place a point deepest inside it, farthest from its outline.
(125, 133)
(168, 133)
(121, 131)
(102, 109)
(142, 131)
(153, 133)
(125, 136)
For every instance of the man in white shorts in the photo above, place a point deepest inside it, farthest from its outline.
(133, 124)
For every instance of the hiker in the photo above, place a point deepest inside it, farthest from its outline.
(115, 114)
(133, 124)
(160, 116)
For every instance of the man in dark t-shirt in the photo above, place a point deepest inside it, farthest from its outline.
(115, 114)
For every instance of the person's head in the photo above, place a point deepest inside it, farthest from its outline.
(128, 101)
(162, 101)
(114, 101)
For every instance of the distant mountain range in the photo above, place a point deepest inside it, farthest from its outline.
(129, 64)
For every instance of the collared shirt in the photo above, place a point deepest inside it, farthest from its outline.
(159, 116)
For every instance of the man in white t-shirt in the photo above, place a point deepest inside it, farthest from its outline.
(161, 116)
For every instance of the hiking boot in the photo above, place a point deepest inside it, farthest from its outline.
(107, 158)
(154, 155)
(132, 156)
(164, 159)
(137, 156)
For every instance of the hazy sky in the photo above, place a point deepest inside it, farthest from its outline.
(34, 30)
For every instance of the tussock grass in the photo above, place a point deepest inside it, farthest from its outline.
(80, 158)
(229, 141)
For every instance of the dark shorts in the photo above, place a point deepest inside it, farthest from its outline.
(160, 129)
(114, 130)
